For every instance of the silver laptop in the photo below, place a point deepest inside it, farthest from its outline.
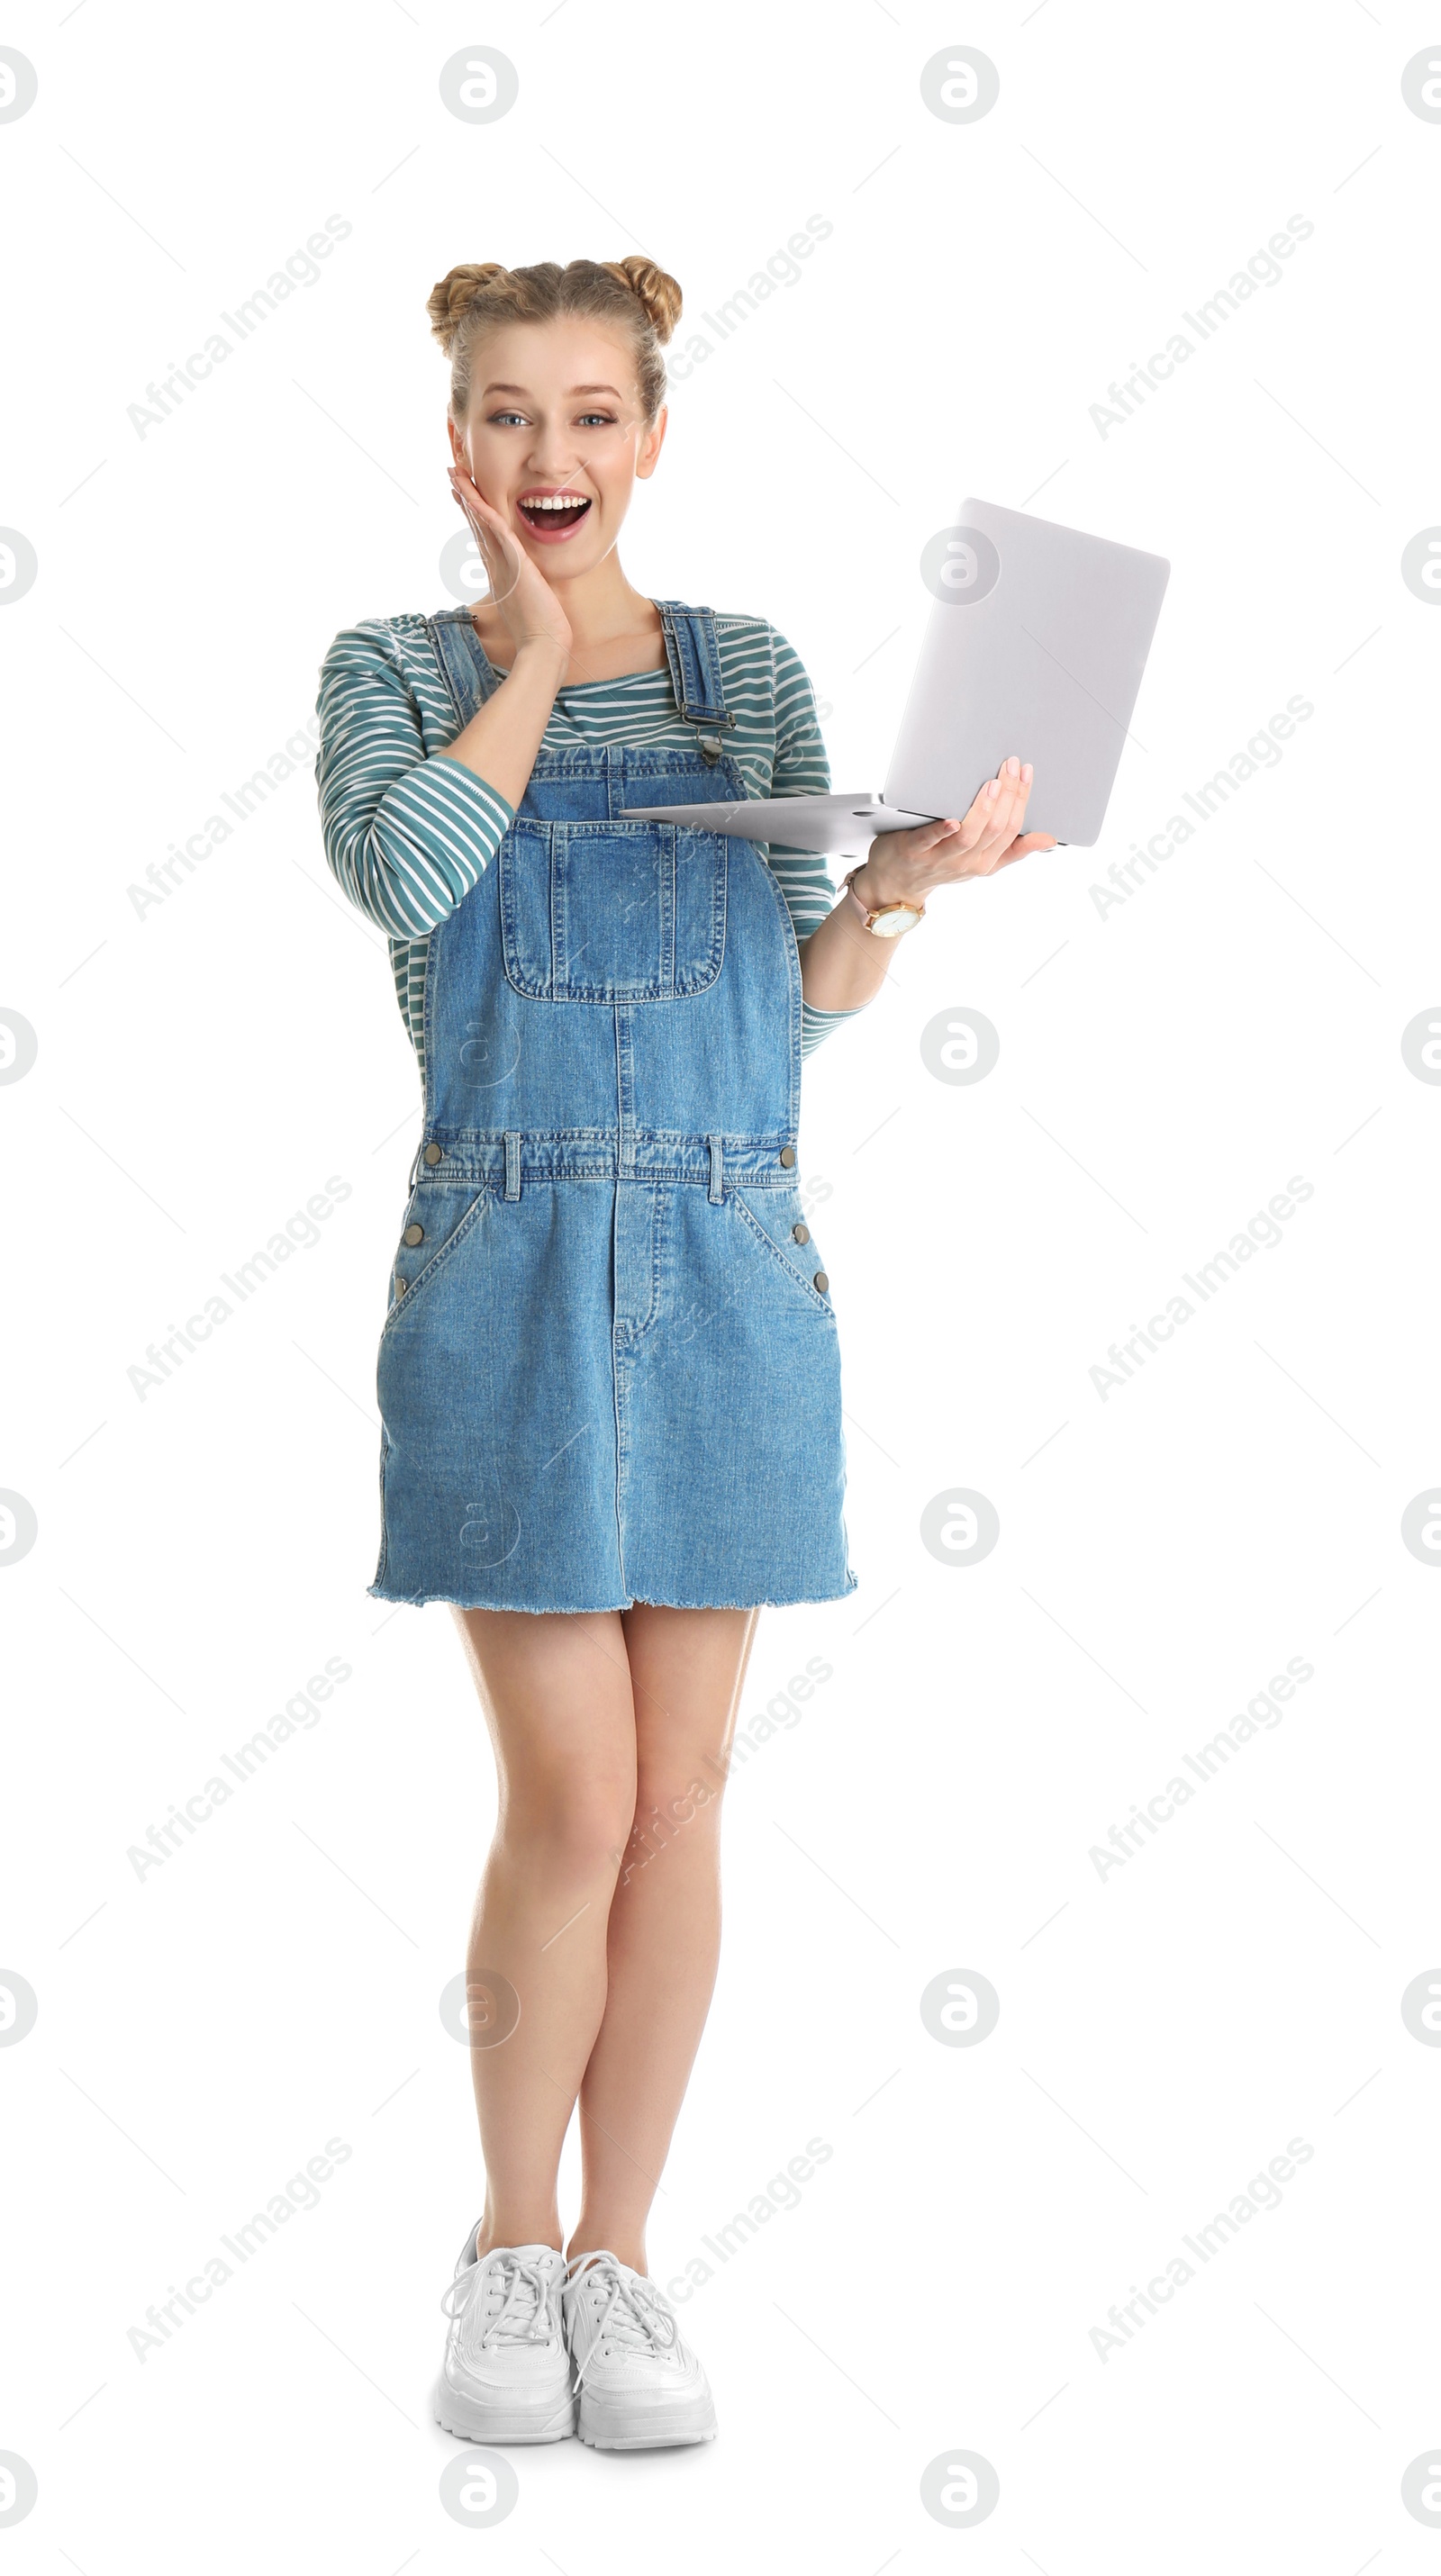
(1036, 645)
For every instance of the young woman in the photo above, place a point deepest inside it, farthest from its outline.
(608, 1375)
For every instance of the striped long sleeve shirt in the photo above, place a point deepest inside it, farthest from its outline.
(409, 831)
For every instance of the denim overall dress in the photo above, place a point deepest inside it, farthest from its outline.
(609, 1369)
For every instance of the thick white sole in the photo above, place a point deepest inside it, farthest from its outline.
(635, 2433)
(482, 2419)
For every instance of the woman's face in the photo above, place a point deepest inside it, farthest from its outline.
(555, 437)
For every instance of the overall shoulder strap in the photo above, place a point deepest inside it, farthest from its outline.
(456, 646)
(695, 663)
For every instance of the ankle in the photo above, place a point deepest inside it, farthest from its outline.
(626, 2247)
(489, 2236)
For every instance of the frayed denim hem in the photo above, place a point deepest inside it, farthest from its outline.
(576, 1609)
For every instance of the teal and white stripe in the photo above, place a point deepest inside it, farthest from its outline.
(408, 835)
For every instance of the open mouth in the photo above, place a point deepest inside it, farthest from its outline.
(553, 515)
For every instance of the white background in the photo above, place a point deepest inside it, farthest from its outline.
(206, 1065)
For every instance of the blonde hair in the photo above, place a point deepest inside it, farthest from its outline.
(633, 293)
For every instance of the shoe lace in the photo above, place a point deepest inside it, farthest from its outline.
(634, 2316)
(525, 2309)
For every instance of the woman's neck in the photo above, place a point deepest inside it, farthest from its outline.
(614, 629)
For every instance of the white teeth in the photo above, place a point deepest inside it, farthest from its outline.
(555, 501)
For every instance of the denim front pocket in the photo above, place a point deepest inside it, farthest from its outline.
(440, 1216)
(770, 1220)
(611, 912)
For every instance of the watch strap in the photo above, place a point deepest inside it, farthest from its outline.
(871, 913)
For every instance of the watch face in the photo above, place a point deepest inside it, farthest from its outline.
(890, 925)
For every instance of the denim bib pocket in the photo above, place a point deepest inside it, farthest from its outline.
(611, 912)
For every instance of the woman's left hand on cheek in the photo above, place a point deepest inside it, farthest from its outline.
(987, 838)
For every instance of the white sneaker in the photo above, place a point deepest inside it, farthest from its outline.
(640, 2385)
(506, 2373)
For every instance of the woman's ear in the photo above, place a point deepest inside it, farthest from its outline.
(651, 445)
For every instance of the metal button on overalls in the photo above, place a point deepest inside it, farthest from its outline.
(603, 1377)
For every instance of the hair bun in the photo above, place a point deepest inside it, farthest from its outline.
(447, 302)
(654, 290)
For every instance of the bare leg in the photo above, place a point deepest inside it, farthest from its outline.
(686, 1669)
(556, 1690)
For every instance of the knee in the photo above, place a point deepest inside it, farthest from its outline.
(670, 1801)
(570, 1830)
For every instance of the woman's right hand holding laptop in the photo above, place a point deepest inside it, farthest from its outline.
(844, 962)
(903, 867)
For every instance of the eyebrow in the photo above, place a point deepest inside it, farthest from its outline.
(570, 389)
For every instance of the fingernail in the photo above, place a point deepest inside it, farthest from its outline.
(1013, 767)
(1028, 772)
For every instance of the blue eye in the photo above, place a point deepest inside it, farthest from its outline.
(499, 417)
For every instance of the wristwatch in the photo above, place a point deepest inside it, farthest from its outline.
(888, 920)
